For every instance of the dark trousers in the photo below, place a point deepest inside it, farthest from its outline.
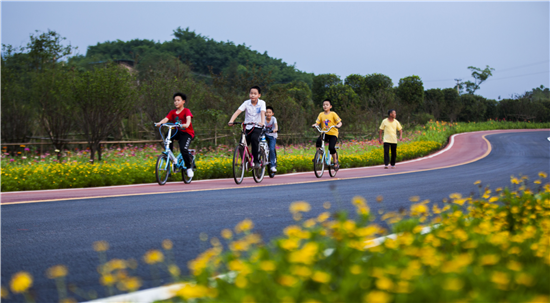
(253, 138)
(331, 143)
(184, 139)
(387, 147)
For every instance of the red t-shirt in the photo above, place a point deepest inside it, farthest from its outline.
(182, 119)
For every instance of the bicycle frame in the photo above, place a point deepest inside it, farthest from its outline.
(247, 152)
(177, 161)
(323, 147)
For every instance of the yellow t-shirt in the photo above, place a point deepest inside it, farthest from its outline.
(327, 121)
(390, 130)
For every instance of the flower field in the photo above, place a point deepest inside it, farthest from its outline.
(493, 248)
(28, 170)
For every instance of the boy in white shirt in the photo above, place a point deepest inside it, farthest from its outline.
(271, 136)
(254, 109)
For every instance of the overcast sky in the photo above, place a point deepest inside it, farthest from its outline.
(434, 40)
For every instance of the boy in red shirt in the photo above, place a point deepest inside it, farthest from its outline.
(185, 134)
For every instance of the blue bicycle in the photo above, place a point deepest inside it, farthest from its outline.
(322, 157)
(167, 163)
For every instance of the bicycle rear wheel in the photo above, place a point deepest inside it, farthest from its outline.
(238, 164)
(184, 176)
(163, 168)
(259, 173)
(319, 163)
(332, 170)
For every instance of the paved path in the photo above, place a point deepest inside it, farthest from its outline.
(38, 235)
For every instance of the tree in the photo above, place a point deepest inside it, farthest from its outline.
(103, 96)
(453, 104)
(341, 96)
(434, 102)
(411, 92)
(51, 85)
(376, 82)
(357, 83)
(474, 107)
(479, 76)
(18, 108)
(321, 84)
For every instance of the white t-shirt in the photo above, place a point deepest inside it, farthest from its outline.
(252, 113)
(270, 126)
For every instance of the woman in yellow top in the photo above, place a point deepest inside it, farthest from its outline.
(328, 119)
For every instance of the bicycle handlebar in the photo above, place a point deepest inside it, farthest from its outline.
(323, 131)
(250, 123)
(171, 125)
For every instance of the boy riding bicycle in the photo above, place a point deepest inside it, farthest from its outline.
(186, 133)
(271, 136)
(327, 119)
(254, 109)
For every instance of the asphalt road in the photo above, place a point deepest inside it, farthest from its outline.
(39, 235)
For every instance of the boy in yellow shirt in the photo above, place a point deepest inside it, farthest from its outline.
(328, 119)
(390, 126)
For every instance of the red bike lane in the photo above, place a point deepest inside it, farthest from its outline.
(462, 149)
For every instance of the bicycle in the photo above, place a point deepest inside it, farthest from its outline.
(244, 161)
(167, 161)
(322, 157)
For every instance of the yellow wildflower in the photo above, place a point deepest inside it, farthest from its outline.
(56, 272)
(153, 256)
(323, 217)
(267, 265)
(453, 284)
(320, 277)
(305, 255)
(355, 269)
(101, 246)
(300, 206)
(191, 291)
(501, 279)
(174, 270)
(377, 296)
(167, 244)
(525, 279)
(4, 293)
(543, 174)
(107, 280)
(244, 225)
(414, 199)
(287, 280)
(20, 282)
(227, 234)
(241, 281)
(302, 271)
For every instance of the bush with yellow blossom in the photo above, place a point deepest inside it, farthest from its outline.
(494, 248)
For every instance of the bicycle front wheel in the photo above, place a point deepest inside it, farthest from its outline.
(319, 163)
(238, 164)
(162, 170)
(259, 173)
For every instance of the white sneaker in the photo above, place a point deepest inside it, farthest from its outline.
(273, 169)
(190, 173)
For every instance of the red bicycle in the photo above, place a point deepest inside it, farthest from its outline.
(244, 161)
